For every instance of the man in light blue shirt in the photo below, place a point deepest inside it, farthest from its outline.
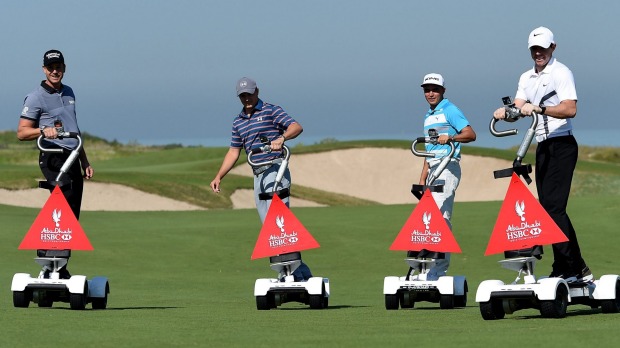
(450, 124)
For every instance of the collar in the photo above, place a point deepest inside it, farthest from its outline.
(258, 107)
(438, 108)
(51, 90)
(548, 68)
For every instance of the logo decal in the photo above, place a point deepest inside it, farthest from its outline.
(514, 229)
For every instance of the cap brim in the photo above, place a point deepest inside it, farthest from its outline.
(246, 90)
(539, 43)
(430, 84)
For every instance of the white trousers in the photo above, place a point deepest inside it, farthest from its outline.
(449, 178)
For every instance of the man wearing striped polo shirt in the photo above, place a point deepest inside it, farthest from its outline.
(450, 124)
(257, 121)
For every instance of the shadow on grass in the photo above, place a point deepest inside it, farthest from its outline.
(324, 309)
(114, 308)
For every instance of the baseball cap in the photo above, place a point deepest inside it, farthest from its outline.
(540, 36)
(246, 85)
(432, 79)
(53, 56)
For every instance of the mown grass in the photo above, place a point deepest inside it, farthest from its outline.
(186, 279)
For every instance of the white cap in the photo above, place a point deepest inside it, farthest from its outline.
(540, 36)
(432, 79)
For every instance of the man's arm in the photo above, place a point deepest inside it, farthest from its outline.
(26, 130)
(88, 170)
(466, 135)
(293, 130)
(229, 161)
(566, 109)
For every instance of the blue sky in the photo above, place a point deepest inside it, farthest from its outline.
(162, 71)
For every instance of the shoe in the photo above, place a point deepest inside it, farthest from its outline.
(586, 275)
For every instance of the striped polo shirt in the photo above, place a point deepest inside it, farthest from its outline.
(268, 120)
(445, 119)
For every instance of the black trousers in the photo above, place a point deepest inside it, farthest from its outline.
(556, 159)
(50, 164)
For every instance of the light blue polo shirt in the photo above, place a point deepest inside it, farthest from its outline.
(445, 119)
(45, 105)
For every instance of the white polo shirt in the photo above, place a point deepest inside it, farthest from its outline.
(556, 77)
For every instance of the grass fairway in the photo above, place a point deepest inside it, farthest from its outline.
(185, 279)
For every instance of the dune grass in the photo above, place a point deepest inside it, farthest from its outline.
(184, 173)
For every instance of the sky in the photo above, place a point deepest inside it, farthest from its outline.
(160, 72)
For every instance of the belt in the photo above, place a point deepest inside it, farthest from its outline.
(543, 137)
(259, 170)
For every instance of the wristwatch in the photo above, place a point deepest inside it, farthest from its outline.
(543, 109)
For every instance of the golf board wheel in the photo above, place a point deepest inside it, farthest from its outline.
(391, 302)
(555, 308)
(492, 310)
(78, 301)
(101, 302)
(446, 301)
(613, 305)
(21, 299)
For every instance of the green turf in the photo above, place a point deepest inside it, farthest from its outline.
(186, 279)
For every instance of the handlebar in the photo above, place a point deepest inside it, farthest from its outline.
(517, 115)
(429, 154)
(61, 135)
(267, 148)
(72, 156)
(444, 162)
(527, 140)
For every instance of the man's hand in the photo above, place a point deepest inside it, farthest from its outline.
(88, 172)
(443, 139)
(500, 113)
(49, 133)
(527, 109)
(215, 185)
(276, 144)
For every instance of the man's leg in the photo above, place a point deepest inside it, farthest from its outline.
(450, 178)
(556, 159)
(263, 183)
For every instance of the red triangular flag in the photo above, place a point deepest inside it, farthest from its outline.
(56, 227)
(522, 222)
(282, 233)
(426, 229)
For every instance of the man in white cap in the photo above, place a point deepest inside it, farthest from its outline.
(450, 124)
(548, 89)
